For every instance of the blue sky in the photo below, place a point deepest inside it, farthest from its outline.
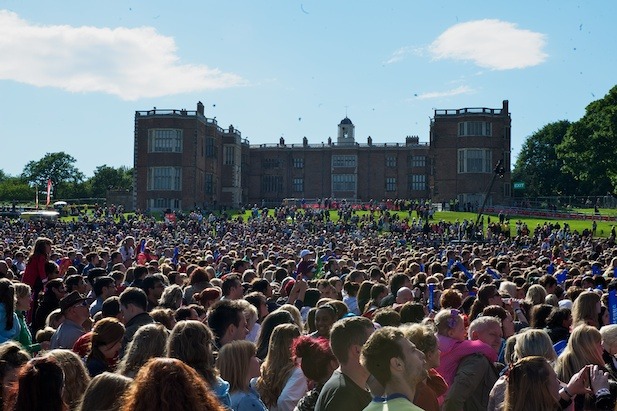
(73, 73)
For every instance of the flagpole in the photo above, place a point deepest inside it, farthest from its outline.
(36, 196)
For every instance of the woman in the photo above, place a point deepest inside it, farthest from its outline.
(487, 295)
(104, 392)
(167, 384)
(609, 345)
(586, 308)
(427, 392)
(12, 358)
(267, 326)
(39, 387)
(238, 365)
(171, 297)
(76, 377)
(23, 298)
(198, 281)
(191, 342)
(317, 363)
(50, 301)
(106, 342)
(558, 324)
(281, 384)
(378, 292)
(149, 342)
(325, 317)
(34, 274)
(9, 322)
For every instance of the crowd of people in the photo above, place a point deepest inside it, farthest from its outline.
(293, 310)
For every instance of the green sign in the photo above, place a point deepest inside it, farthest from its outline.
(518, 185)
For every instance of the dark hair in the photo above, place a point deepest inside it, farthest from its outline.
(94, 273)
(387, 317)
(267, 326)
(260, 285)
(182, 313)
(397, 281)
(347, 332)
(539, 314)
(7, 297)
(135, 296)
(223, 314)
(199, 275)
(100, 282)
(111, 306)
(230, 282)
(150, 282)
(139, 272)
(412, 312)
(39, 386)
(382, 346)
(72, 281)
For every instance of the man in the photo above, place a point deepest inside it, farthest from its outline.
(227, 321)
(153, 286)
(114, 258)
(346, 388)
(93, 261)
(77, 283)
(397, 281)
(232, 287)
(133, 303)
(104, 287)
(403, 295)
(397, 365)
(138, 275)
(475, 375)
(306, 267)
(75, 311)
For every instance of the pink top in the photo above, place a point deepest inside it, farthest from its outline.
(453, 351)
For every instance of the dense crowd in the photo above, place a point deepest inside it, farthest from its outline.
(292, 309)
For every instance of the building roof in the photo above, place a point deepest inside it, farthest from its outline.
(346, 120)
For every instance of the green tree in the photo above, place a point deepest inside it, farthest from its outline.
(539, 166)
(106, 177)
(59, 167)
(588, 149)
(15, 189)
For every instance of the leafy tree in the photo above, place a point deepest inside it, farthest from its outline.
(589, 150)
(59, 167)
(15, 189)
(106, 177)
(539, 166)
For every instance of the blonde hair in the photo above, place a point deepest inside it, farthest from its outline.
(278, 364)
(76, 378)
(149, 342)
(579, 352)
(295, 313)
(534, 343)
(233, 363)
(536, 294)
(609, 335)
(104, 392)
(21, 290)
(584, 309)
(423, 337)
(190, 341)
(527, 388)
(446, 320)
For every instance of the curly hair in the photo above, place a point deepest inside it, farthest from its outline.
(167, 384)
(278, 364)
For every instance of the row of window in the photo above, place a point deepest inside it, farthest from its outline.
(340, 182)
(348, 161)
(475, 128)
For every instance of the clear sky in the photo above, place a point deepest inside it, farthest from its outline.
(73, 72)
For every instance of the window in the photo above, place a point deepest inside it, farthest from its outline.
(475, 128)
(343, 182)
(391, 184)
(164, 203)
(272, 184)
(474, 160)
(418, 161)
(507, 190)
(209, 183)
(230, 156)
(270, 163)
(165, 178)
(298, 185)
(343, 161)
(298, 162)
(164, 140)
(417, 182)
(210, 148)
(390, 161)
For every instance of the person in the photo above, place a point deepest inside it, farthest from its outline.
(168, 384)
(23, 297)
(476, 374)
(148, 342)
(191, 342)
(104, 392)
(39, 387)
(103, 288)
(75, 310)
(12, 358)
(49, 301)
(397, 365)
(106, 341)
(267, 326)
(487, 295)
(585, 309)
(171, 297)
(153, 286)
(325, 317)
(238, 364)
(9, 322)
(609, 345)
(427, 392)
(133, 302)
(317, 363)
(76, 377)
(281, 384)
(346, 389)
(34, 273)
(227, 321)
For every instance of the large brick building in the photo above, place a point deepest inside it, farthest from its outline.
(184, 159)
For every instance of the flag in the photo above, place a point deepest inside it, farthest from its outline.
(36, 196)
(319, 269)
(174, 259)
(551, 268)
(48, 191)
(142, 245)
(431, 297)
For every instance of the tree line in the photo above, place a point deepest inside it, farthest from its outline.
(573, 158)
(67, 180)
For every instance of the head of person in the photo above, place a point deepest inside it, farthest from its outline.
(316, 358)
(388, 355)
(451, 298)
(450, 323)
(191, 342)
(237, 363)
(267, 326)
(347, 338)
(133, 301)
(584, 347)
(532, 384)
(104, 287)
(171, 297)
(7, 299)
(104, 392)
(148, 342)
(153, 286)
(487, 295)
(42, 246)
(74, 307)
(39, 386)
(75, 282)
(609, 338)
(76, 377)
(162, 383)
(106, 340)
(412, 312)
(12, 358)
(560, 317)
(534, 342)
(586, 308)
(227, 321)
(325, 317)
(488, 330)
(424, 338)
(232, 287)
(507, 323)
